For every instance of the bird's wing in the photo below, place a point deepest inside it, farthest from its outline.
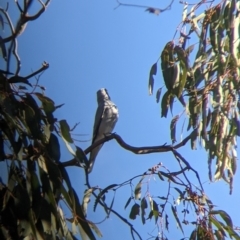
(98, 118)
(96, 134)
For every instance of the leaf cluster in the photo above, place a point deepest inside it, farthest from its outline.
(29, 138)
(208, 89)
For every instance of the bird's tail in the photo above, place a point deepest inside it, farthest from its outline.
(92, 158)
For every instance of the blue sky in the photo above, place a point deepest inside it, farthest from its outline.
(89, 45)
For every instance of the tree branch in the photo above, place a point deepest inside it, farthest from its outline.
(150, 9)
(136, 150)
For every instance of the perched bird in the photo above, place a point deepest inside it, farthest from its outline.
(105, 120)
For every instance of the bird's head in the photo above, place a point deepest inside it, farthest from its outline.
(102, 94)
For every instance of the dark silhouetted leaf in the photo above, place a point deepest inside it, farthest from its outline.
(160, 176)
(153, 70)
(3, 48)
(33, 123)
(158, 95)
(166, 222)
(1, 22)
(189, 49)
(193, 235)
(53, 148)
(22, 87)
(143, 207)
(127, 203)
(134, 211)
(81, 156)
(174, 211)
(2, 153)
(111, 205)
(180, 192)
(165, 104)
(18, 79)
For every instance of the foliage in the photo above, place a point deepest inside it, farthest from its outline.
(208, 89)
(38, 183)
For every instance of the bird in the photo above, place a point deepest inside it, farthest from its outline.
(105, 121)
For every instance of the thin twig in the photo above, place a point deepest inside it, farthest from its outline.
(142, 6)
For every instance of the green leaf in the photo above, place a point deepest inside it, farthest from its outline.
(189, 49)
(158, 95)
(166, 222)
(96, 229)
(160, 176)
(174, 211)
(53, 148)
(81, 218)
(3, 48)
(153, 71)
(150, 85)
(165, 104)
(215, 222)
(224, 216)
(81, 156)
(34, 186)
(29, 100)
(219, 235)
(167, 65)
(137, 190)
(155, 210)
(32, 123)
(66, 196)
(127, 203)
(173, 128)
(180, 192)
(82, 232)
(86, 200)
(65, 130)
(144, 205)
(47, 103)
(193, 235)
(46, 133)
(111, 205)
(134, 211)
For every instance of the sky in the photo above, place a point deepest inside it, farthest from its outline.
(90, 45)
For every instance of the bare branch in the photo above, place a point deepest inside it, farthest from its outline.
(45, 66)
(148, 8)
(136, 150)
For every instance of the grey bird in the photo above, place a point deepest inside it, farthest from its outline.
(105, 120)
